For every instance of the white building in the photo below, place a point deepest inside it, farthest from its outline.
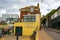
(55, 19)
(1, 19)
(57, 13)
(10, 17)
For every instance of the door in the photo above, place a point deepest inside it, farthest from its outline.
(18, 31)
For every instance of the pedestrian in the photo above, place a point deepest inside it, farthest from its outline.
(3, 31)
(42, 26)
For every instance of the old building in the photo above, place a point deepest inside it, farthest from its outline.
(29, 10)
(53, 19)
(10, 17)
(1, 19)
(30, 21)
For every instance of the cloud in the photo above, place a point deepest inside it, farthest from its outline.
(44, 11)
(12, 6)
(55, 5)
(48, 5)
(2, 11)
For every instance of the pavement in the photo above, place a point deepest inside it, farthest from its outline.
(55, 30)
(42, 35)
(14, 38)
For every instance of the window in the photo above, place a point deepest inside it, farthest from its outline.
(29, 19)
(55, 14)
(58, 12)
(32, 9)
(52, 17)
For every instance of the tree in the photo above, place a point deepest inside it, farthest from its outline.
(43, 21)
(51, 12)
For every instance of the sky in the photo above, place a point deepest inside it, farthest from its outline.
(13, 6)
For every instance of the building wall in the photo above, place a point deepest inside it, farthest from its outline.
(1, 19)
(5, 16)
(28, 27)
(54, 15)
(46, 23)
(28, 10)
(57, 13)
(55, 19)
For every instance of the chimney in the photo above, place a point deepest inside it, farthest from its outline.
(38, 4)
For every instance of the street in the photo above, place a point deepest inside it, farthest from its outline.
(29, 19)
(54, 35)
(43, 34)
(14, 38)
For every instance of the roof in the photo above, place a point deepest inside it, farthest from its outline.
(28, 7)
(53, 11)
(57, 9)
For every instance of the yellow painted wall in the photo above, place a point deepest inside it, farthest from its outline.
(38, 21)
(28, 27)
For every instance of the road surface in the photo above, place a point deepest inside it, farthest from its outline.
(54, 35)
(14, 38)
(42, 35)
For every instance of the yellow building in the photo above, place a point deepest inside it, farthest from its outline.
(29, 23)
(27, 28)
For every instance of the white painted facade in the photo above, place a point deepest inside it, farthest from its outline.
(57, 13)
(47, 23)
(1, 19)
(5, 16)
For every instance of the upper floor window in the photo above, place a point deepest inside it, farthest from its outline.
(29, 19)
(58, 12)
(32, 9)
(52, 16)
(55, 14)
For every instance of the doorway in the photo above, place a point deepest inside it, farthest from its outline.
(18, 31)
